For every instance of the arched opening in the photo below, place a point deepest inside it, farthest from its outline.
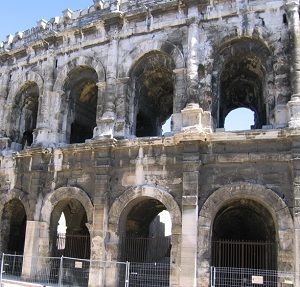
(70, 236)
(239, 119)
(13, 227)
(27, 102)
(242, 86)
(244, 236)
(151, 87)
(82, 94)
(243, 78)
(146, 241)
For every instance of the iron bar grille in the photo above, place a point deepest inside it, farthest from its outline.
(69, 245)
(146, 250)
(244, 254)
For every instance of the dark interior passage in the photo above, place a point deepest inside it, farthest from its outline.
(13, 227)
(146, 243)
(244, 236)
(82, 93)
(152, 88)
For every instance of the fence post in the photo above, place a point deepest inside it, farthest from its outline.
(127, 274)
(2, 264)
(60, 276)
(212, 276)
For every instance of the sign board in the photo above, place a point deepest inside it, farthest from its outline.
(78, 264)
(257, 279)
(288, 282)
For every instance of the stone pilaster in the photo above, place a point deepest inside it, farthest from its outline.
(98, 231)
(122, 125)
(100, 128)
(179, 89)
(31, 250)
(49, 128)
(107, 120)
(189, 245)
(193, 55)
(4, 80)
(43, 134)
(296, 191)
(294, 104)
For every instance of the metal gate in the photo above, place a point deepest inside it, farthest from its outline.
(149, 260)
(244, 254)
(69, 245)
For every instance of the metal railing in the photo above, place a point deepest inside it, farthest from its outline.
(57, 271)
(243, 277)
(244, 254)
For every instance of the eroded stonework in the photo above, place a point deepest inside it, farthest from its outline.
(84, 96)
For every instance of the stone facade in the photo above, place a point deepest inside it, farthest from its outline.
(83, 98)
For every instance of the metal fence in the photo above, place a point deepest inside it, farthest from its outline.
(57, 271)
(244, 254)
(242, 277)
(149, 274)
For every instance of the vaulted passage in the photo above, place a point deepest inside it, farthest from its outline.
(25, 113)
(151, 89)
(82, 94)
(13, 227)
(146, 243)
(244, 237)
(242, 66)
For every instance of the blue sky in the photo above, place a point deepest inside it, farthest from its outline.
(20, 15)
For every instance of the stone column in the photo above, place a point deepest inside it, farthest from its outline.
(193, 57)
(296, 190)
(44, 134)
(31, 249)
(98, 231)
(98, 130)
(50, 129)
(189, 243)
(4, 140)
(122, 126)
(180, 98)
(108, 118)
(4, 80)
(294, 104)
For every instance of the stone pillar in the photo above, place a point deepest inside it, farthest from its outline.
(45, 132)
(97, 233)
(4, 80)
(50, 127)
(107, 120)
(5, 142)
(193, 57)
(296, 190)
(189, 242)
(122, 126)
(294, 104)
(31, 249)
(98, 130)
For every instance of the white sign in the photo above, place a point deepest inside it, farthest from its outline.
(78, 264)
(257, 280)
